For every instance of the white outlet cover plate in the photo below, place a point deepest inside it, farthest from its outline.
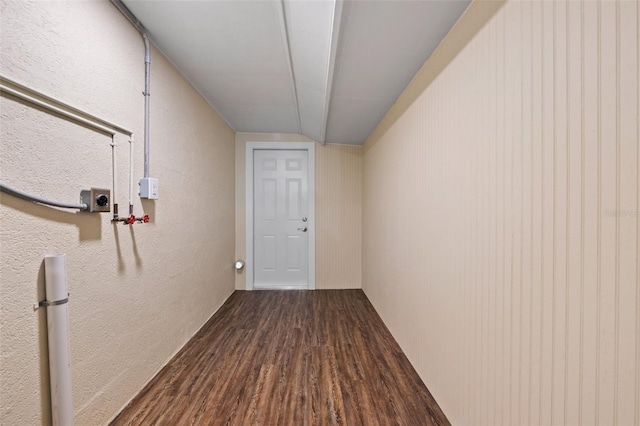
(149, 188)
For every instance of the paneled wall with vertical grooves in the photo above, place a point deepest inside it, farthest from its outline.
(339, 216)
(338, 185)
(500, 234)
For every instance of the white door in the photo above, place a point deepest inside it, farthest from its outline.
(281, 215)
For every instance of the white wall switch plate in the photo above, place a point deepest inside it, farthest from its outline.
(149, 188)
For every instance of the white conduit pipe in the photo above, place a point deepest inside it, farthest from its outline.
(55, 268)
(131, 175)
(21, 194)
(57, 110)
(147, 78)
(25, 93)
(114, 176)
(49, 104)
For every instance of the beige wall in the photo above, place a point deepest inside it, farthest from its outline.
(137, 293)
(501, 216)
(338, 216)
(338, 185)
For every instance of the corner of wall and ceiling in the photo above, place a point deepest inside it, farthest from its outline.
(138, 25)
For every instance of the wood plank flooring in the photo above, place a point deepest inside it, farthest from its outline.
(288, 358)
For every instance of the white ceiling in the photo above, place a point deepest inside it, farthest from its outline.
(328, 70)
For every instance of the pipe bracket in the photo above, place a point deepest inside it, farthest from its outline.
(45, 303)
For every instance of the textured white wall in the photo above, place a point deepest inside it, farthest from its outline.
(137, 293)
(501, 226)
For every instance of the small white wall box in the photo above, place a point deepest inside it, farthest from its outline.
(149, 188)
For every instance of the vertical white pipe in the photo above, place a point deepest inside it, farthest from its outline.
(59, 351)
(147, 78)
(114, 175)
(131, 175)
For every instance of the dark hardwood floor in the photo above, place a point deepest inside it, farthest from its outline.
(288, 358)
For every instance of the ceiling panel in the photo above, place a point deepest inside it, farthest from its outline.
(350, 118)
(225, 37)
(386, 42)
(324, 68)
(309, 26)
(382, 46)
(234, 53)
(246, 90)
(263, 118)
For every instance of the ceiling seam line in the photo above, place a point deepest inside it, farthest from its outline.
(290, 60)
(333, 53)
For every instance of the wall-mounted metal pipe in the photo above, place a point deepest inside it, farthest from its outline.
(27, 94)
(21, 194)
(147, 81)
(147, 76)
(127, 13)
(114, 177)
(131, 176)
(74, 114)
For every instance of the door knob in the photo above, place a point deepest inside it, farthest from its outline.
(303, 229)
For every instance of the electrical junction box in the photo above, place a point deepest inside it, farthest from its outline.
(148, 188)
(98, 200)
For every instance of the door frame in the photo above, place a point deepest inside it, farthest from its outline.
(250, 147)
